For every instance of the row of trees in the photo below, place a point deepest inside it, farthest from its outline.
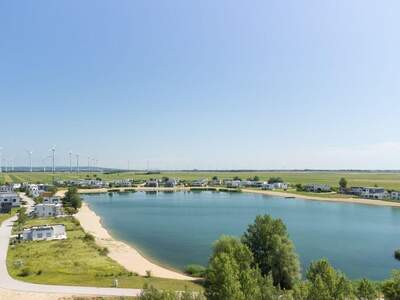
(263, 265)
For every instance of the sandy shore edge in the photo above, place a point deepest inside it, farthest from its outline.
(124, 254)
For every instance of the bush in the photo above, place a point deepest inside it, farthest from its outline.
(148, 273)
(24, 272)
(104, 251)
(195, 270)
(397, 254)
(88, 237)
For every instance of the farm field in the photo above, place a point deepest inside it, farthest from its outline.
(388, 180)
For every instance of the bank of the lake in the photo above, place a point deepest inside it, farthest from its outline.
(179, 228)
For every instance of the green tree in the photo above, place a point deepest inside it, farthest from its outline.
(397, 254)
(343, 183)
(151, 293)
(22, 216)
(256, 178)
(274, 180)
(391, 288)
(230, 274)
(273, 250)
(327, 283)
(72, 198)
(365, 290)
(215, 178)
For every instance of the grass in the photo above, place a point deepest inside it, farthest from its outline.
(388, 180)
(4, 217)
(75, 261)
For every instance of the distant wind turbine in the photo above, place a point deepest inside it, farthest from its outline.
(77, 162)
(1, 149)
(30, 159)
(53, 156)
(70, 160)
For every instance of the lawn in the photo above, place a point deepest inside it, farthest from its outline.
(75, 261)
(4, 217)
(388, 180)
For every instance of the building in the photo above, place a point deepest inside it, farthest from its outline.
(33, 190)
(233, 183)
(151, 183)
(171, 183)
(374, 193)
(275, 186)
(48, 210)
(122, 183)
(317, 188)
(12, 198)
(394, 195)
(46, 232)
(6, 189)
(199, 182)
(52, 200)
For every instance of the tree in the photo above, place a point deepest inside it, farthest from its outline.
(72, 198)
(151, 293)
(326, 283)
(273, 250)
(230, 274)
(274, 180)
(256, 178)
(365, 290)
(391, 288)
(22, 216)
(343, 183)
(215, 178)
(397, 254)
(236, 178)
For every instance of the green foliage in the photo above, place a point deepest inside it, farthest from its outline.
(275, 180)
(326, 283)
(391, 288)
(72, 199)
(397, 254)
(273, 250)
(151, 293)
(195, 270)
(343, 183)
(256, 178)
(22, 216)
(365, 290)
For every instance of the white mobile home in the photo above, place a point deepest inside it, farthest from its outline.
(317, 188)
(374, 193)
(48, 210)
(395, 195)
(12, 198)
(46, 232)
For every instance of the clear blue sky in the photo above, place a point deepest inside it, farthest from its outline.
(202, 84)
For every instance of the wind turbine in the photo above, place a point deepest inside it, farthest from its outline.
(1, 149)
(54, 151)
(77, 162)
(70, 160)
(30, 159)
(88, 163)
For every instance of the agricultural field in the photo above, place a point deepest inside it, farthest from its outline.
(75, 261)
(388, 180)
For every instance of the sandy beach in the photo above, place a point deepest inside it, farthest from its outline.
(122, 253)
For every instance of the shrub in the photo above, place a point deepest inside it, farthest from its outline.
(148, 273)
(195, 270)
(104, 251)
(24, 272)
(397, 254)
(88, 237)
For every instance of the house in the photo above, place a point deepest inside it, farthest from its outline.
(374, 193)
(394, 195)
(16, 186)
(12, 198)
(151, 183)
(233, 183)
(52, 200)
(48, 210)
(171, 183)
(199, 182)
(6, 189)
(33, 190)
(122, 183)
(356, 190)
(275, 186)
(317, 188)
(46, 232)
(216, 182)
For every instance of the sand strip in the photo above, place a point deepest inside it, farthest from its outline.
(122, 253)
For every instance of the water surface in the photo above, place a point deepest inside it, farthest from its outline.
(179, 228)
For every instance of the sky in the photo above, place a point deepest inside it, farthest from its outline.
(202, 84)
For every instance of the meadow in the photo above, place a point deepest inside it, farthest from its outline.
(75, 261)
(388, 180)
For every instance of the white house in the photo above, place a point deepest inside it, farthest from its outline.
(12, 198)
(374, 193)
(275, 186)
(395, 195)
(48, 210)
(46, 232)
(16, 186)
(33, 190)
(233, 183)
(200, 182)
(317, 188)
(172, 182)
(52, 200)
(151, 183)
(6, 189)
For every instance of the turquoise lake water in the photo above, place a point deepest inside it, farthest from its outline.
(179, 228)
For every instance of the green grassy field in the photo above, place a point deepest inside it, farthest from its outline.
(6, 216)
(75, 261)
(386, 180)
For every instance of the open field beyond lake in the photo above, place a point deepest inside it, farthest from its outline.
(388, 180)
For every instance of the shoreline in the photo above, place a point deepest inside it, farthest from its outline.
(124, 254)
(375, 202)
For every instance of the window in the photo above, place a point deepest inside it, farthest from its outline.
(48, 234)
(14, 200)
(39, 235)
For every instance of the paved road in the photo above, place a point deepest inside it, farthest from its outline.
(9, 283)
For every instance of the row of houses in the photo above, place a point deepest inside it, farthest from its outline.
(373, 193)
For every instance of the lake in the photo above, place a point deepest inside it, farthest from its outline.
(177, 229)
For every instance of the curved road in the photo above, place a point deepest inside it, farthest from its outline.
(7, 282)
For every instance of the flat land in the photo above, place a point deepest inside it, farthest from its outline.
(75, 261)
(388, 180)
